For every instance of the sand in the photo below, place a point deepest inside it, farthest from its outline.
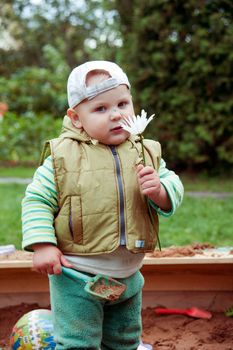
(178, 332)
(170, 332)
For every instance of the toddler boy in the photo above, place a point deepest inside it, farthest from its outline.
(86, 209)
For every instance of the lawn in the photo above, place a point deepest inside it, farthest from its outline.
(10, 208)
(202, 182)
(18, 171)
(197, 220)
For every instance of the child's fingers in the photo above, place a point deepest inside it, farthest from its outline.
(49, 270)
(57, 268)
(142, 171)
(65, 262)
(139, 167)
(148, 184)
(145, 178)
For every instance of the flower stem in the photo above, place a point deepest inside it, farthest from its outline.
(143, 152)
(147, 199)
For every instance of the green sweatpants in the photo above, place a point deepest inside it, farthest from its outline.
(83, 322)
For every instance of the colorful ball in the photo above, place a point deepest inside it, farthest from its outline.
(33, 331)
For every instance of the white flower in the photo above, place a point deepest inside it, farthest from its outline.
(135, 125)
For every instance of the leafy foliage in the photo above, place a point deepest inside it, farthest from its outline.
(22, 137)
(38, 89)
(179, 56)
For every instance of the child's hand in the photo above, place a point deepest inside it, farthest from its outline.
(151, 186)
(48, 259)
(149, 181)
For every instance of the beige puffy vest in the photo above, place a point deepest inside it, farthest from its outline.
(98, 194)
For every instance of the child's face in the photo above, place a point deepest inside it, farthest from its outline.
(100, 116)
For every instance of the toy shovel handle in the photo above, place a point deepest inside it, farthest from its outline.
(193, 312)
(72, 273)
(165, 311)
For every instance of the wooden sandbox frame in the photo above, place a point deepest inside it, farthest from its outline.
(205, 282)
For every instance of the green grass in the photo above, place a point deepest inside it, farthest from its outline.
(197, 220)
(200, 182)
(17, 172)
(10, 211)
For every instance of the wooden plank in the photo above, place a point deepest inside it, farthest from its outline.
(157, 277)
(192, 260)
(22, 280)
(212, 277)
(189, 260)
(5, 264)
(173, 283)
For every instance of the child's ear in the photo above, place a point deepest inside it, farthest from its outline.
(73, 115)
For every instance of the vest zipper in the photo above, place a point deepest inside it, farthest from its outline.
(121, 195)
(71, 224)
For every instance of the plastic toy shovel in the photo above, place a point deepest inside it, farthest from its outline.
(193, 312)
(100, 286)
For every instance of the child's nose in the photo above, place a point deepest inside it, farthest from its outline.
(116, 114)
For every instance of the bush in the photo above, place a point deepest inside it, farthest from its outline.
(22, 136)
(35, 89)
(179, 58)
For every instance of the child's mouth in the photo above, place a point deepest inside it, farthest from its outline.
(117, 128)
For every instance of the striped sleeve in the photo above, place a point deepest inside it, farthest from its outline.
(174, 188)
(39, 207)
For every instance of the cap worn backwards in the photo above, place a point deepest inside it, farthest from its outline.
(77, 91)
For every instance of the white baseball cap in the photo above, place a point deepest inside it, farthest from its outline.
(77, 91)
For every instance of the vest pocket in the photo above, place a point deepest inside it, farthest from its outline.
(75, 219)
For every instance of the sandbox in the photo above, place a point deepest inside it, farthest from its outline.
(201, 278)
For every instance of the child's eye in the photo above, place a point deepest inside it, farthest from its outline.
(122, 104)
(101, 109)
